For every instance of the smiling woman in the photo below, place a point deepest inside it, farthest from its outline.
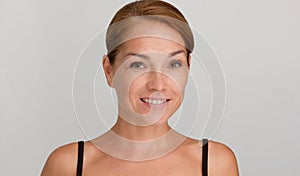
(148, 44)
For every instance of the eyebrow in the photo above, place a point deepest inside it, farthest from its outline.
(147, 57)
(176, 52)
(138, 55)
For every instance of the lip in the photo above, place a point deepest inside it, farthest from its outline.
(144, 101)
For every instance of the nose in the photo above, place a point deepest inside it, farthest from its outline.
(156, 81)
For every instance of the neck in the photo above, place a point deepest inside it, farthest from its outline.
(140, 133)
(138, 143)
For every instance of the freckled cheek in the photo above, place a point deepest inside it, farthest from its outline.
(130, 87)
(137, 86)
(178, 81)
(124, 78)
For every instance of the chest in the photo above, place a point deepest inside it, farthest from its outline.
(174, 167)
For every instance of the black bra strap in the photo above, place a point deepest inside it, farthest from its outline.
(80, 158)
(204, 157)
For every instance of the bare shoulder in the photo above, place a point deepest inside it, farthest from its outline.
(62, 161)
(221, 159)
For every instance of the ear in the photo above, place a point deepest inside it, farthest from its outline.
(189, 59)
(107, 67)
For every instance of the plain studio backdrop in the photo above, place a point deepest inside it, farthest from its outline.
(257, 42)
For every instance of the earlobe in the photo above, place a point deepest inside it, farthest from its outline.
(189, 60)
(107, 69)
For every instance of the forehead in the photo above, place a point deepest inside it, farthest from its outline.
(147, 34)
(152, 28)
(150, 45)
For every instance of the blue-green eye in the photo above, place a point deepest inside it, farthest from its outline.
(176, 64)
(137, 65)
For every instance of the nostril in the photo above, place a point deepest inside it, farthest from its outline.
(156, 81)
(157, 85)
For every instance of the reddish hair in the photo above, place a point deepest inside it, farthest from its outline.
(149, 8)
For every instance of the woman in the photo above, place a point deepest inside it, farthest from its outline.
(148, 44)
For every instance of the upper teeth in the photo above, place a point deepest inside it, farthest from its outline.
(151, 101)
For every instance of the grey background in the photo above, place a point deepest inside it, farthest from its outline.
(257, 41)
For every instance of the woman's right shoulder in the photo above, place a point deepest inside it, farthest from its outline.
(62, 161)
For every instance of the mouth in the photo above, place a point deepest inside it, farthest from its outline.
(155, 101)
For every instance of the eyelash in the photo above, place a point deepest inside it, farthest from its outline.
(141, 65)
(177, 62)
(137, 65)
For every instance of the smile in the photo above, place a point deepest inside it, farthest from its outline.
(154, 101)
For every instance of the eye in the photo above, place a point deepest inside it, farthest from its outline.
(175, 64)
(137, 65)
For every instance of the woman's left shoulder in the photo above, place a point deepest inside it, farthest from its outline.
(214, 147)
(219, 149)
(221, 158)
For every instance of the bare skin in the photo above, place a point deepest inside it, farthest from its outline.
(185, 159)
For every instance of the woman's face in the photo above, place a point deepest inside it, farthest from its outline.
(149, 76)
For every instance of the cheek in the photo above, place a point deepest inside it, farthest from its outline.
(129, 87)
(178, 81)
(124, 81)
(136, 87)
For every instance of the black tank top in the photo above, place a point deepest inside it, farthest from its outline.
(204, 157)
